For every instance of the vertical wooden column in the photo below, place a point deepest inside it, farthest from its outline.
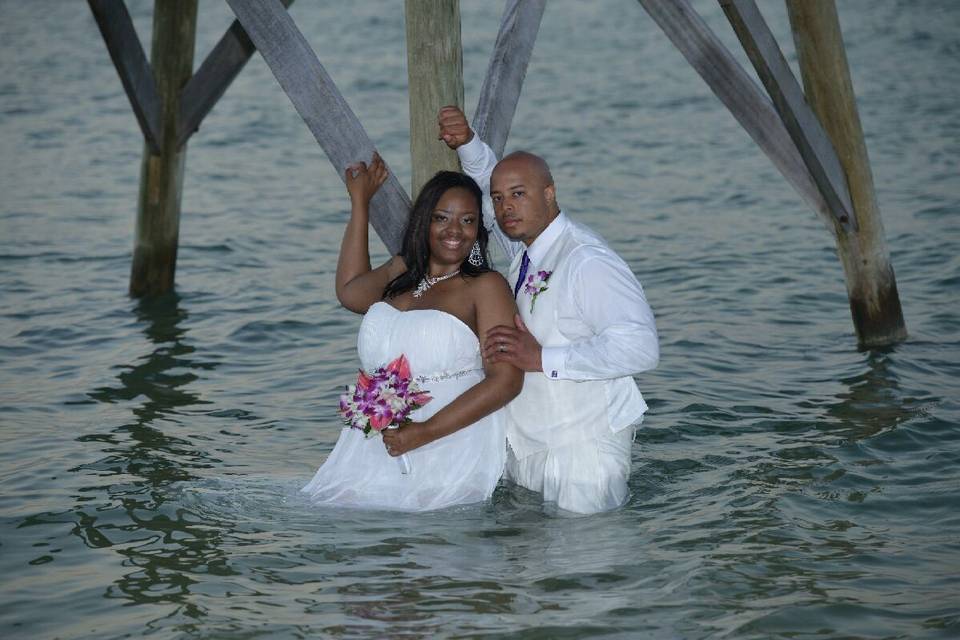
(161, 174)
(871, 284)
(435, 72)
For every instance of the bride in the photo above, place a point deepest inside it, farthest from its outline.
(429, 303)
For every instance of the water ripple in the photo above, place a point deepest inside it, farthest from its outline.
(784, 483)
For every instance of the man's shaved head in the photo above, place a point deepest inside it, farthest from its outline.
(533, 164)
(524, 196)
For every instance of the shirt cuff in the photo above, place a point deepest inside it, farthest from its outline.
(552, 362)
(471, 152)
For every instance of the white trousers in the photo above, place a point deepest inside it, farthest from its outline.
(583, 477)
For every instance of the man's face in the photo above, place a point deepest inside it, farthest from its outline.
(521, 200)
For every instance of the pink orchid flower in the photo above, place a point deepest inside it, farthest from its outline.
(400, 366)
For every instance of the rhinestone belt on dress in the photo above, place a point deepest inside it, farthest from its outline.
(440, 377)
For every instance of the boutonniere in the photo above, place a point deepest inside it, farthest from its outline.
(535, 285)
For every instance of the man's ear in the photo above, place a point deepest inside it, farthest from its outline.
(550, 194)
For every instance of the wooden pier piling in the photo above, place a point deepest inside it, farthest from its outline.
(819, 148)
(161, 174)
(871, 284)
(435, 73)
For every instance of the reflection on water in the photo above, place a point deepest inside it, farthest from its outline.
(161, 544)
(156, 375)
(874, 401)
(784, 485)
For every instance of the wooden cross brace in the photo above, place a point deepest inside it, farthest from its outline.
(265, 25)
(339, 132)
(199, 95)
(785, 129)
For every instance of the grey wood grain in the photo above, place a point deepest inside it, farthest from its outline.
(213, 77)
(321, 105)
(435, 79)
(802, 124)
(741, 95)
(501, 87)
(871, 282)
(157, 232)
(128, 57)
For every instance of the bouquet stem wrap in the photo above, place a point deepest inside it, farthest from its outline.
(403, 459)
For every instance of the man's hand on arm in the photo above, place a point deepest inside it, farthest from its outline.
(515, 345)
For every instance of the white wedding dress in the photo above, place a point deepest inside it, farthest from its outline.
(461, 468)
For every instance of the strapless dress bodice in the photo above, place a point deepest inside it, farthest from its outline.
(436, 343)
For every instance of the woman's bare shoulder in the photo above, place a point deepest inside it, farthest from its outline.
(490, 286)
(489, 281)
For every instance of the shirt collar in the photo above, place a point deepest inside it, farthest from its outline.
(539, 247)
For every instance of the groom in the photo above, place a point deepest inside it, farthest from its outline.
(583, 329)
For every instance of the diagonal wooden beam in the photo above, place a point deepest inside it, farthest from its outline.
(508, 67)
(802, 124)
(320, 104)
(213, 77)
(741, 95)
(131, 63)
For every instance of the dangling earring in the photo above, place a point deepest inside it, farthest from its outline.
(476, 258)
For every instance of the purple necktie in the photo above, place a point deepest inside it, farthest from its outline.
(524, 264)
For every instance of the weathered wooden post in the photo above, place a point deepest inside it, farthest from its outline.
(871, 285)
(501, 87)
(435, 73)
(161, 174)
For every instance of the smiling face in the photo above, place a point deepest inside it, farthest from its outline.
(453, 230)
(524, 198)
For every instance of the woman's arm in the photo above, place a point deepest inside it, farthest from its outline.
(357, 285)
(494, 305)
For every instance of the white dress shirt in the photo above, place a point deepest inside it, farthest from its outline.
(604, 313)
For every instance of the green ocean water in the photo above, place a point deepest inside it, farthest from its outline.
(784, 484)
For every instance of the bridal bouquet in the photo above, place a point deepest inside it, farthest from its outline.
(383, 400)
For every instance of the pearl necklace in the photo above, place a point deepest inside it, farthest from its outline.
(428, 282)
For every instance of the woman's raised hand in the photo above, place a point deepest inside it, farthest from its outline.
(359, 286)
(363, 181)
